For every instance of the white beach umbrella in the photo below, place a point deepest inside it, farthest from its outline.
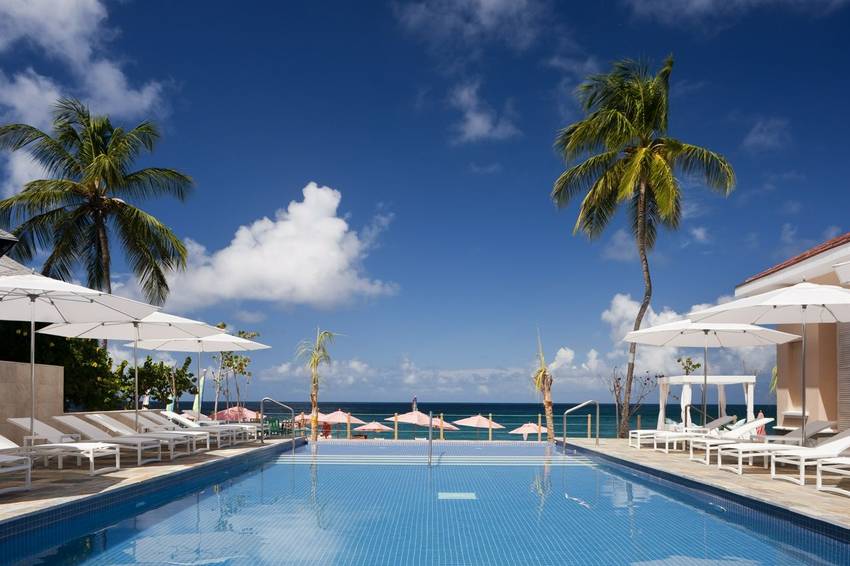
(341, 417)
(802, 303)
(33, 297)
(220, 342)
(689, 334)
(158, 325)
(529, 428)
(419, 418)
(373, 426)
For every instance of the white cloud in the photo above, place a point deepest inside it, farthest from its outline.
(20, 169)
(71, 33)
(457, 29)
(485, 168)
(307, 254)
(767, 134)
(700, 234)
(678, 12)
(620, 247)
(574, 67)
(479, 121)
(249, 316)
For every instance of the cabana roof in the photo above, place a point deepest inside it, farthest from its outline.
(697, 379)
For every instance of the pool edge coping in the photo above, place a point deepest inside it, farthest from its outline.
(52, 514)
(801, 519)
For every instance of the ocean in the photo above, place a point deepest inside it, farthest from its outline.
(510, 415)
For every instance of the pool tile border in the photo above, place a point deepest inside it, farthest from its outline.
(813, 524)
(50, 516)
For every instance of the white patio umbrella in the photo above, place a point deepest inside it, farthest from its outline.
(419, 418)
(33, 297)
(373, 426)
(220, 342)
(689, 334)
(158, 325)
(802, 303)
(529, 428)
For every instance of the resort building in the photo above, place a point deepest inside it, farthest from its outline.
(828, 345)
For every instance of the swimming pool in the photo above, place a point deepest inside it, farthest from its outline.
(375, 503)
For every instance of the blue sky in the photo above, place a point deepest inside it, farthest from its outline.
(383, 170)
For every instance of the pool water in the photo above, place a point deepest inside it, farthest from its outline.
(375, 503)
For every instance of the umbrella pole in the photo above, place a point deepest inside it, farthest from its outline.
(136, 368)
(704, 377)
(804, 415)
(32, 365)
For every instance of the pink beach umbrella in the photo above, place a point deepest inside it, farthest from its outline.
(373, 427)
(341, 417)
(478, 421)
(528, 428)
(419, 418)
(304, 418)
(236, 414)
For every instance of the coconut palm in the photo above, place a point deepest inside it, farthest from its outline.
(620, 153)
(314, 354)
(543, 383)
(83, 204)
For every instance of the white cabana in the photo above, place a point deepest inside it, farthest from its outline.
(720, 381)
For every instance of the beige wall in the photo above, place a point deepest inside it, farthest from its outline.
(821, 374)
(15, 394)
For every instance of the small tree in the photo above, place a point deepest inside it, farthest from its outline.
(642, 385)
(543, 383)
(314, 354)
(688, 365)
(158, 379)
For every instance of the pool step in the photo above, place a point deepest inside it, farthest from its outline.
(438, 460)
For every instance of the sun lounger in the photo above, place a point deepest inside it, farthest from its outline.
(764, 446)
(236, 430)
(155, 422)
(152, 427)
(61, 450)
(804, 456)
(676, 437)
(15, 464)
(172, 441)
(134, 443)
(733, 436)
(838, 466)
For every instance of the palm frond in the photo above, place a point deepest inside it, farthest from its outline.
(580, 178)
(712, 167)
(154, 181)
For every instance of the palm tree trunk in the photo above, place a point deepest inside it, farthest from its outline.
(314, 404)
(547, 408)
(105, 259)
(640, 237)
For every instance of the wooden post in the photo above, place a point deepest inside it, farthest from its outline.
(442, 436)
(638, 422)
(348, 425)
(490, 427)
(395, 427)
(588, 425)
(539, 425)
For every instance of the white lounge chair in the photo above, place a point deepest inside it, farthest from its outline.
(14, 464)
(838, 466)
(236, 430)
(153, 421)
(151, 426)
(803, 456)
(137, 444)
(738, 434)
(61, 450)
(676, 437)
(172, 441)
(764, 446)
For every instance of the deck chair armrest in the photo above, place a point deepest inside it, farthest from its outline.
(33, 439)
(73, 437)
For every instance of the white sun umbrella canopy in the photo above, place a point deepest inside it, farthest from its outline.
(158, 325)
(35, 298)
(803, 303)
(221, 342)
(689, 334)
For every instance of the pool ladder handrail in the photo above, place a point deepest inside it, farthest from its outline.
(262, 422)
(576, 408)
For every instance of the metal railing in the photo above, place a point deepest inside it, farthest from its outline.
(576, 408)
(262, 419)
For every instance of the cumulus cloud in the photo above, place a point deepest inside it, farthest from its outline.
(73, 34)
(480, 122)
(721, 12)
(306, 254)
(767, 134)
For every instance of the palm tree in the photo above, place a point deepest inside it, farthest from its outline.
(543, 383)
(315, 354)
(620, 153)
(81, 206)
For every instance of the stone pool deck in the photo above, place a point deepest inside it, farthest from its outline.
(54, 488)
(755, 483)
